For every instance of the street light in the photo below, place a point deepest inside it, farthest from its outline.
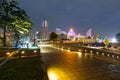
(35, 37)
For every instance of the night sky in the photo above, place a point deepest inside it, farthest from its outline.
(103, 16)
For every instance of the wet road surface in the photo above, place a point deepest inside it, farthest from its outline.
(66, 65)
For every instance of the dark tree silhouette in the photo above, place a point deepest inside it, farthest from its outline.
(118, 37)
(53, 36)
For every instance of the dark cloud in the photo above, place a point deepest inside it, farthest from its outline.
(101, 15)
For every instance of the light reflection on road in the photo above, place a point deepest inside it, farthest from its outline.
(52, 74)
(55, 73)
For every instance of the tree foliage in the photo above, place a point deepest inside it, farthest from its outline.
(53, 36)
(13, 18)
(118, 37)
(106, 42)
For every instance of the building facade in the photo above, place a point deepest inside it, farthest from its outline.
(44, 32)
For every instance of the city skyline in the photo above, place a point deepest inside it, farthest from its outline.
(102, 16)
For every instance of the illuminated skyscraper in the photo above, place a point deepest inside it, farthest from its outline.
(44, 30)
(89, 33)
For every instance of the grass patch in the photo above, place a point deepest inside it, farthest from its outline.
(22, 69)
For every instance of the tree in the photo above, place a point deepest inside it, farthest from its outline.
(12, 15)
(53, 36)
(106, 43)
(118, 37)
(20, 27)
(5, 16)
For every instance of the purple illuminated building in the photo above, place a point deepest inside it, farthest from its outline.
(71, 33)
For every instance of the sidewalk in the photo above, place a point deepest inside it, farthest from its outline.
(65, 65)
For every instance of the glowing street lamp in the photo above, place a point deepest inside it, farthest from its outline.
(114, 40)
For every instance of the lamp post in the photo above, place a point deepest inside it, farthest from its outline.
(35, 37)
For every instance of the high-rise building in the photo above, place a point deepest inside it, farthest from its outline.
(44, 34)
(89, 33)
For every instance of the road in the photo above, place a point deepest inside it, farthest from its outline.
(66, 65)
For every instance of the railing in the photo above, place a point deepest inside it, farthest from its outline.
(85, 49)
